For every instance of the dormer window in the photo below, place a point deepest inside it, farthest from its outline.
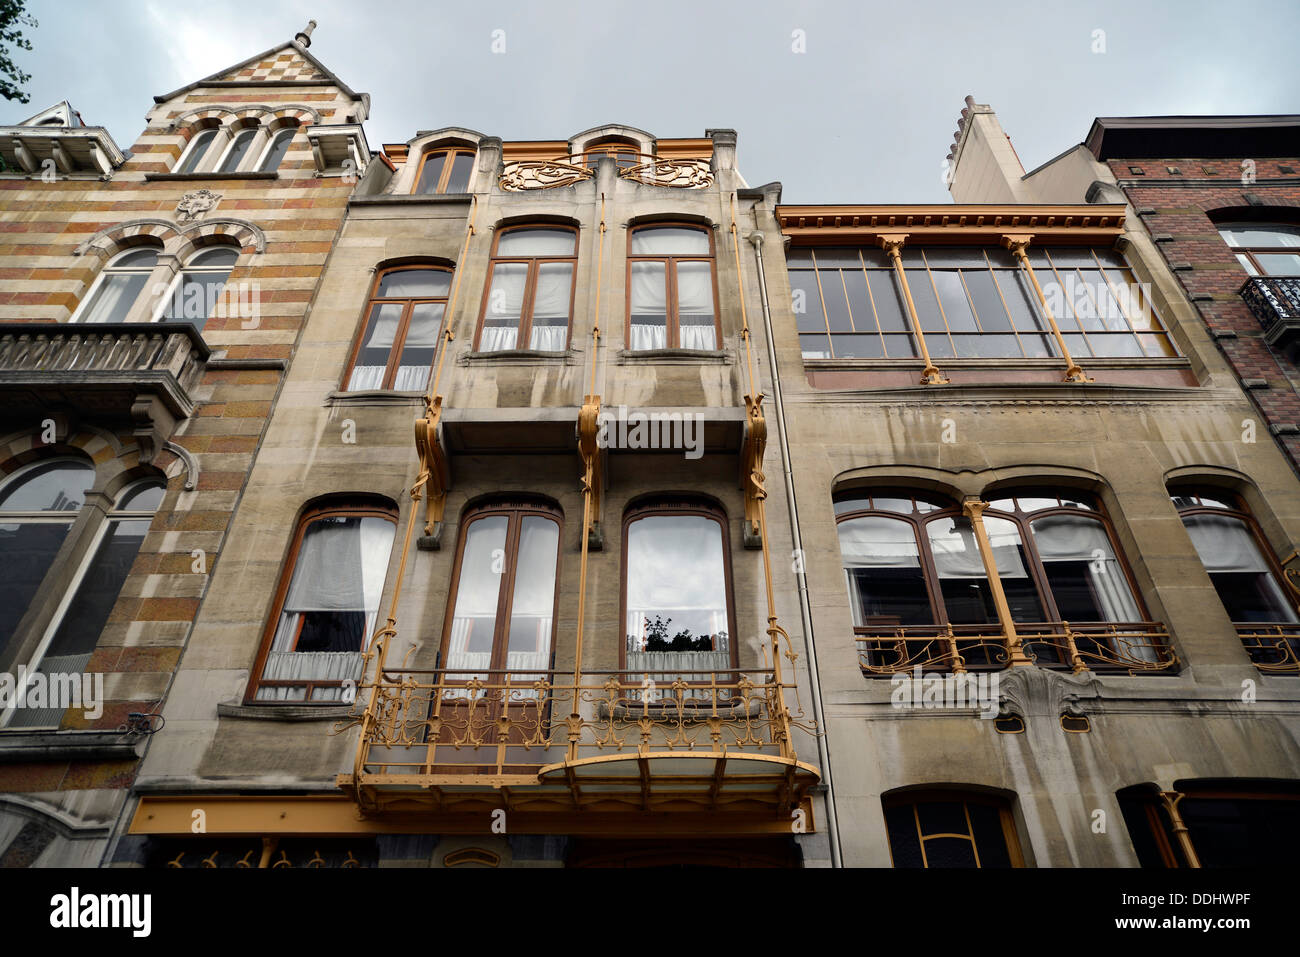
(445, 171)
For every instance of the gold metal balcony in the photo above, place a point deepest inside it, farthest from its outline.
(673, 172)
(452, 741)
(1274, 647)
(1133, 647)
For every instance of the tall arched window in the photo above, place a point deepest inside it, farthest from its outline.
(445, 171)
(1264, 249)
(237, 150)
(38, 505)
(913, 559)
(198, 147)
(677, 607)
(503, 593)
(198, 292)
(672, 295)
(273, 155)
(528, 303)
(326, 605)
(403, 320)
(71, 635)
(1245, 575)
(118, 286)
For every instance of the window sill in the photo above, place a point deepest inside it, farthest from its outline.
(373, 397)
(284, 712)
(185, 177)
(1170, 362)
(521, 356)
(688, 356)
(399, 199)
(50, 745)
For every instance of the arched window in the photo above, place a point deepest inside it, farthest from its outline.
(198, 292)
(38, 505)
(403, 320)
(445, 171)
(273, 155)
(950, 829)
(912, 559)
(237, 150)
(625, 153)
(72, 634)
(118, 286)
(503, 593)
(326, 604)
(672, 295)
(529, 299)
(677, 606)
(1244, 574)
(198, 147)
(1264, 249)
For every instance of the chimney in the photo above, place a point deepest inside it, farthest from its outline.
(303, 38)
(982, 166)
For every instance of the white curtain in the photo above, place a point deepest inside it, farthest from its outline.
(116, 296)
(957, 555)
(549, 338)
(308, 666)
(497, 338)
(698, 336)
(648, 337)
(1074, 538)
(1224, 544)
(879, 542)
(411, 378)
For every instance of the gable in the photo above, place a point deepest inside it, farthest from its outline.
(285, 65)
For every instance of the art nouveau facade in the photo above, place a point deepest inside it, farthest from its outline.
(574, 503)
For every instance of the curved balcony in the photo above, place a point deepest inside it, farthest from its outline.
(674, 173)
(607, 741)
(1273, 647)
(1275, 302)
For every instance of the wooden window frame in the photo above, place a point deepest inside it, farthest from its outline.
(525, 329)
(1038, 574)
(350, 509)
(403, 325)
(665, 507)
(440, 188)
(911, 799)
(515, 510)
(672, 335)
(1250, 251)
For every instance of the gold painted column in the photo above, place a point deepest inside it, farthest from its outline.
(1171, 799)
(1016, 657)
(1017, 245)
(892, 244)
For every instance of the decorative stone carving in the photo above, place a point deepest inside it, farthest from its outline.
(193, 205)
(1037, 692)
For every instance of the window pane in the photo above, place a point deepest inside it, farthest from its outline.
(414, 284)
(52, 487)
(115, 297)
(473, 623)
(1013, 572)
(675, 569)
(376, 346)
(275, 155)
(1238, 569)
(1275, 264)
(988, 304)
(837, 305)
(504, 305)
(419, 346)
(537, 242)
(927, 307)
(990, 839)
(855, 285)
(882, 567)
(815, 347)
(462, 166)
(949, 852)
(806, 301)
(890, 308)
(29, 549)
(669, 241)
(144, 496)
(551, 303)
(534, 595)
(904, 842)
(955, 305)
(850, 346)
(243, 140)
(198, 146)
(196, 297)
(1260, 235)
(431, 172)
(649, 306)
(695, 305)
(964, 586)
(1082, 570)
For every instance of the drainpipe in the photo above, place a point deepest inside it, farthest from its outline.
(805, 610)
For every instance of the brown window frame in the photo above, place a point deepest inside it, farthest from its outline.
(525, 331)
(672, 321)
(613, 147)
(1154, 814)
(403, 325)
(678, 505)
(911, 798)
(1250, 251)
(351, 509)
(451, 152)
(1038, 574)
(515, 510)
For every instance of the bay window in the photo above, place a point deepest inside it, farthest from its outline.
(672, 295)
(403, 321)
(528, 303)
(326, 605)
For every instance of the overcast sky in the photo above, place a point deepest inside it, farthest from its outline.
(865, 114)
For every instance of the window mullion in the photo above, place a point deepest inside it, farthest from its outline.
(399, 342)
(671, 334)
(974, 510)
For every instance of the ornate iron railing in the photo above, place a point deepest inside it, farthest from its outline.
(1274, 647)
(1272, 298)
(1095, 646)
(675, 173)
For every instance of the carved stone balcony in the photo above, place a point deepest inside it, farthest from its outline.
(140, 375)
(1275, 301)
